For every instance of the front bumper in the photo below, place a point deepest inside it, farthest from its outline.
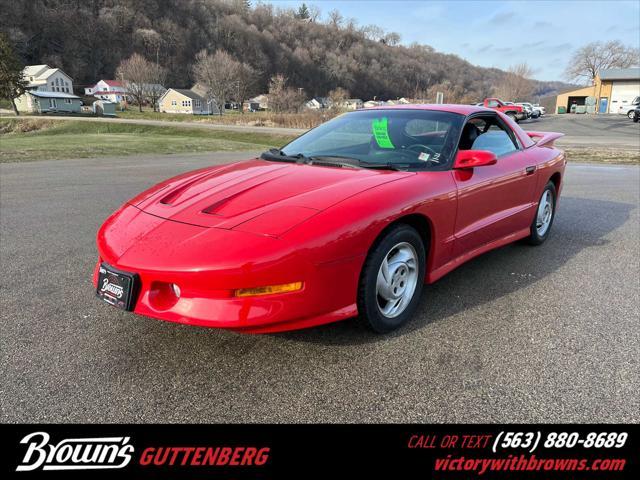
(328, 295)
(209, 264)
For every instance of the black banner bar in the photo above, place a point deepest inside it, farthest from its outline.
(330, 451)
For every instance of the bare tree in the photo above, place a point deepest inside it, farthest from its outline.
(335, 19)
(391, 38)
(283, 98)
(134, 74)
(373, 32)
(154, 86)
(516, 84)
(587, 61)
(218, 74)
(338, 97)
(245, 83)
(314, 13)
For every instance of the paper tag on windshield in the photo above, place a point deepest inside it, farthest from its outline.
(423, 156)
(381, 133)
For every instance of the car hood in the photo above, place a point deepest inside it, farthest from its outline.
(281, 194)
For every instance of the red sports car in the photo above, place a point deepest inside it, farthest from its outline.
(350, 219)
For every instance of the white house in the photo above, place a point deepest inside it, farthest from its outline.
(46, 79)
(371, 103)
(318, 103)
(43, 80)
(352, 104)
(111, 90)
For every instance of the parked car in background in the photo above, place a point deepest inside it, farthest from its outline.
(629, 109)
(534, 112)
(527, 108)
(540, 108)
(515, 112)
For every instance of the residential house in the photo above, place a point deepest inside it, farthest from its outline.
(201, 90)
(178, 100)
(399, 101)
(47, 79)
(352, 104)
(371, 103)
(318, 103)
(260, 102)
(36, 101)
(47, 90)
(111, 90)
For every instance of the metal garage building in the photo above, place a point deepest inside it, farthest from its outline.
(625, 87)
(615, 90)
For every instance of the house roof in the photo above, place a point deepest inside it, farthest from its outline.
(108, 92)
(620, 74)
(112, 83)
(40, 73)
(199, 89)
(33, 70)
(38, 93)
(187, 93)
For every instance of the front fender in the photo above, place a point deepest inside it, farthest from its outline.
(349, 228)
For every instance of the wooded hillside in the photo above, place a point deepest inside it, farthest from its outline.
(89, 38)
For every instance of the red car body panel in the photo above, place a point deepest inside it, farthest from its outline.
(259, 223)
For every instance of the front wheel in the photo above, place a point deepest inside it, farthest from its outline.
(392, 279)
(630, 114)
(543, 219)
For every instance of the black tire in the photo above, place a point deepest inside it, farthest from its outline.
(369, 311)
(535, 238)
(630, 114)
(513, 117)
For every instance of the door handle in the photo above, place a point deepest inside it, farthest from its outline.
(530, 169)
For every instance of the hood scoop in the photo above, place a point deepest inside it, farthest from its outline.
(214, 208)
(231, 195)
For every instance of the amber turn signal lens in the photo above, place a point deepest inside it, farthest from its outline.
(271, 289)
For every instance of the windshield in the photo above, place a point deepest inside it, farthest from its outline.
(397, 138)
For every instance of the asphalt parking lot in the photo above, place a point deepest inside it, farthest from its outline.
(521, 334)
(602, 131)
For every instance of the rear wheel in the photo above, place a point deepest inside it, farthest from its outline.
(391, 280)
(543, 219)
(512, 116)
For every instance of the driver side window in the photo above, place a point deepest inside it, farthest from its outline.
(487, 133)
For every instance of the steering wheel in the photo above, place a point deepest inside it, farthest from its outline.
(424, 148)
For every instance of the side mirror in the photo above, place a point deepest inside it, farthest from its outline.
(474, 158)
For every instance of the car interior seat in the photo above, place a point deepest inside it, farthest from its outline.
(469, 135)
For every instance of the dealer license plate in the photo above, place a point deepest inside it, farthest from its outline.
(116, 287)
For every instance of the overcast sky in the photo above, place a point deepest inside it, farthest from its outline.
(498, 34)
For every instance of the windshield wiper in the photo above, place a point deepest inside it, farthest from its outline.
(386, 166)
(275, 155)
(331, 160)
(354, 162)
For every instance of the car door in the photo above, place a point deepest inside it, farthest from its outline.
(494, 201)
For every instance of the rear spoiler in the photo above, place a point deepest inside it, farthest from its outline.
(544, 139)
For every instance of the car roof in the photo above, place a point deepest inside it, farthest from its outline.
(453, 108)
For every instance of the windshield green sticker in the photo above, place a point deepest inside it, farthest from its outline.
(381, 132)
